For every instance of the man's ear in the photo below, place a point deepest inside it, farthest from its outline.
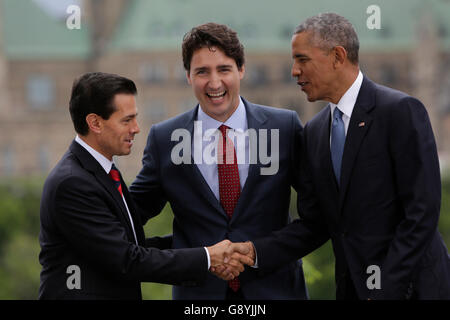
(340, 55)
(188, 77)
(94, 122)
(241, 72)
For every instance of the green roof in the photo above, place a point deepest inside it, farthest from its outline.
(30, 32)
(268, 25)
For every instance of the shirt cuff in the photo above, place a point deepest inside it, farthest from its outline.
(209, 259)
(256, 258)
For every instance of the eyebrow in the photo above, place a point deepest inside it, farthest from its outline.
(222, 66)
(131, 116)
(200, 69)
(299, 55)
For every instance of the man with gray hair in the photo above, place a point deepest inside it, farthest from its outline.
(370, 177)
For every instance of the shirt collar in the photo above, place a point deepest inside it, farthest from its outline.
(238, 120)
(104, 162)
(348, 100)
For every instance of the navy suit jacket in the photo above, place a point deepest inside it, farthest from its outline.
(200, 220)
(385, 212)
(84, 223)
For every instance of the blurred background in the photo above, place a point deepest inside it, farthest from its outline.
(41, 53)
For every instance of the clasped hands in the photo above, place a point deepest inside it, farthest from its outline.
(228, 258)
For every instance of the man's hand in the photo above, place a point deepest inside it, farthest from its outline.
(228, 259)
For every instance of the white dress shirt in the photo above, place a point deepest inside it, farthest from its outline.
(106, 165)
(238, 122)
(347, 102)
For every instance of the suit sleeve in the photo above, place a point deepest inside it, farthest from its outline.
(146, 190)
(88, 222)
(305, 234)
(417, 178)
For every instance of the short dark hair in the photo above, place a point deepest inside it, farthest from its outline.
(210, 35)
(94, 93)
(329, 30)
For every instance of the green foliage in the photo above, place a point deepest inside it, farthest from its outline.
(158, 226)
(19, 246)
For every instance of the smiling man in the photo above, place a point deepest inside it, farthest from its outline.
(92, 240)
(225, 199)
(370, 177)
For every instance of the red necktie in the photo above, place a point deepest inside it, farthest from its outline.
(115, 176)
(229, 182)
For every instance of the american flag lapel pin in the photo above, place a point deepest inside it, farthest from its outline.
(361, 124)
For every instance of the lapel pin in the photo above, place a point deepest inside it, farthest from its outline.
(361, 124)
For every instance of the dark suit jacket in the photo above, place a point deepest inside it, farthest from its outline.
(386, 210)
(84, 222)
(200, 219)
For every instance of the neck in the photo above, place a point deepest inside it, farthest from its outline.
(345, 80)
(92, 142)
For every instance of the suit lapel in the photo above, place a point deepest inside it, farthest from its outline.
(193, 171)
(255, 120)
(90, 164)
(136, 218)
(359, 126)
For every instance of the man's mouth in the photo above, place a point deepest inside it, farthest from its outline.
(302, 83)
(216, 96)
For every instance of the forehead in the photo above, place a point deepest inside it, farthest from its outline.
(303, 44)
(210, 56)
(125, 104)
(302, 40)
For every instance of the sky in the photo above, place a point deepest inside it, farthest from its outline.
(57, 8)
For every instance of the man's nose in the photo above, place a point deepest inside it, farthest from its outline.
(135, 128)
(296, 71)
(215, 82)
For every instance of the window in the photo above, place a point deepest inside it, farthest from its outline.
(286, 74)
(40, 92)
(44, 159)
(258, 76)
(180, 74)
(7, 161)
(186, 105)
(154, 72)
(388, 75)
(156, 110)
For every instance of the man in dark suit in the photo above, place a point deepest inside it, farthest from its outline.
(213, 199)
(370, 177)
(92, 241)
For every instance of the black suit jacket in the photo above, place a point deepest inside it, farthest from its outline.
(84, 223)
(200, 220)
(385, 212)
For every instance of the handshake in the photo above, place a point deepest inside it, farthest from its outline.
(228, 258)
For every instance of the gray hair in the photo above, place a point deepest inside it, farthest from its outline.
(329, 30)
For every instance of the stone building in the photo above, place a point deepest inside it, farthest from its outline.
(40, 57)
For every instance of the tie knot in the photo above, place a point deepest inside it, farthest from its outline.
(337, 114)
(223, 128)
(114, 173)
